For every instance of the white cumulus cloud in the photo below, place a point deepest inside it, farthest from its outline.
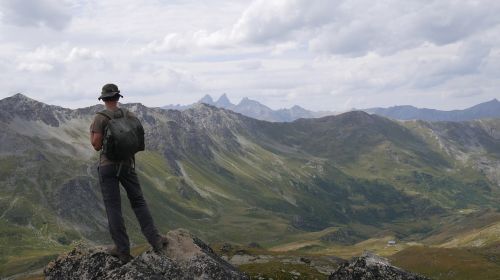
(54, 14)
(320, 54)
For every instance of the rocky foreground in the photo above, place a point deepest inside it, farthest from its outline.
(186, 257)
(372, 267)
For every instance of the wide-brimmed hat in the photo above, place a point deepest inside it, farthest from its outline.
(109, 90)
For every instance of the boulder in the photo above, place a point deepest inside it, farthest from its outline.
(372, 267)
(186, 257)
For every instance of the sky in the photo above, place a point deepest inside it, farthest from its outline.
(320, 54)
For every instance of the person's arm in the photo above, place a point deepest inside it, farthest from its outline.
(96, 132)
(96, 140)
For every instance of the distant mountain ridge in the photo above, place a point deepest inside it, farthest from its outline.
(490, 109)
(254, 109)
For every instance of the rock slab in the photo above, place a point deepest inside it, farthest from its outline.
(372, 267)
(186, 257)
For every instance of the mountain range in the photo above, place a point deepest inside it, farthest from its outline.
(490, 109)
(255, 109)
(333, 181)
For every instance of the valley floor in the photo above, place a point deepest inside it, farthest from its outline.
(314, 259)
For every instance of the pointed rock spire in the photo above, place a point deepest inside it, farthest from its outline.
(207, 99)
(224, 101)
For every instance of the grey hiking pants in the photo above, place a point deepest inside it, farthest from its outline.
(111, 196)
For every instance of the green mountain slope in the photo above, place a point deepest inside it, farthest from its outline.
(227, 177)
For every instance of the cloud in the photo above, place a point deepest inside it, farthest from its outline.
(320, 54)
(351, 28)
(171, 43)
(45, 58)
(386, 27)
(270, 21)
(42, 59)
(73, 76)
(465, 93)
(261, 23)
(35, 67)
(50, 13)
(282, 48)
(250, 65)
(160, 80)
(460, 60)
(78, 53)
(445, 22)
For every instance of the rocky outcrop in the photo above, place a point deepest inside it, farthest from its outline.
(372, 267)
(186, 257)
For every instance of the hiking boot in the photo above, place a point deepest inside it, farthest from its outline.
(160, 244)
(123, 257)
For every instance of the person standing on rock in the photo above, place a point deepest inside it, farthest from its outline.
(118, 134)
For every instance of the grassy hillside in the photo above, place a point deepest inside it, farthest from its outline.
(332, 186)
(450, 263)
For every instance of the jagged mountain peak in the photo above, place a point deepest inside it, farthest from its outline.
(20, 99)
(205, 110)
(20, 96)
(207, 99)
(492, 103)
(24, 107)
(296, 109)
(247, 101)
(224, 101)
(254, 109)
(223, 97)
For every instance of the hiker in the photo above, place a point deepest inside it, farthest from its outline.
(117, 165)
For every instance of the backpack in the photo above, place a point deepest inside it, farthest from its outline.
(123, 136)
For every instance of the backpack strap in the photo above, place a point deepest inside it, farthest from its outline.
(106, 114)
(124, 112)
(110, 115)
